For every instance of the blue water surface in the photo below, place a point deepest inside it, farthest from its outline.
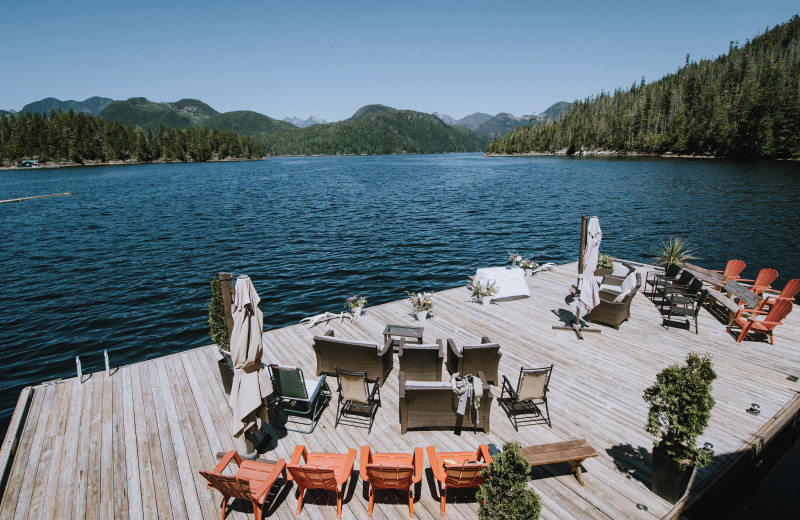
(124, 264)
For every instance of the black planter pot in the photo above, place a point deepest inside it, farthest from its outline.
(669, 479)
(226, 372)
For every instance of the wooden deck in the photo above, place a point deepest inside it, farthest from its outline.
(130, 445)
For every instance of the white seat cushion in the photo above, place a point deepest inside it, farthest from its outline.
(629, 282)
(621, 296)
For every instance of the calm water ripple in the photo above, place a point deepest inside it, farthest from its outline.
(124, 264)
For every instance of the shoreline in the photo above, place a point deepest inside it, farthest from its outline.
(69, 164)
(612, 153)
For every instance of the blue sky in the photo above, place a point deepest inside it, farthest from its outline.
(329, 58)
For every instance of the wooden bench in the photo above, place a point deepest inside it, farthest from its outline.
(574, 452)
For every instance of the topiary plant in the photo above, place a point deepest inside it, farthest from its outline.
(217, 324)
(680, 406)
(605, 261)
(505, 494)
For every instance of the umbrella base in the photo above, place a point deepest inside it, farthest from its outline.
(578, 329)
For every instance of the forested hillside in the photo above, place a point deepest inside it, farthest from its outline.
(375, 130)
(67, 136)
(745, 103)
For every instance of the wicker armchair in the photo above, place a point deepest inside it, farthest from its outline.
(353, 356)
(421, 362)
(471, 359)
(430, 404)
(611, 312)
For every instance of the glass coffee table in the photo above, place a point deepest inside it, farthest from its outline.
(401, 331)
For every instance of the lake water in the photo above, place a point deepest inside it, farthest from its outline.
(124, 264)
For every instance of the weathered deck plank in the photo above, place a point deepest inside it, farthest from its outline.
(130, 445)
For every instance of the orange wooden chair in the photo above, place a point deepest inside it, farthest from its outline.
(789, 292)
(458, 469)
(745, 320)
(763, 280)
(732, 270)
(391, 471)
(251, 482)
(328, 471)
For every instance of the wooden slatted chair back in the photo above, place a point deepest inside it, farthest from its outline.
(229, 485)
(734, 269)
(776, 314)
(464, 475)
(764, 280)
(382, 476)
(791, 289)
(315, 477)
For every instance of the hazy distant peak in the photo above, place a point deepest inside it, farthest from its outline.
(447, 119)
(305, 123)
(93, 105)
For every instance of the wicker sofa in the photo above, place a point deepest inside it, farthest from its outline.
(471, 359)
(614, 308)
(429, 404)
(355, 356)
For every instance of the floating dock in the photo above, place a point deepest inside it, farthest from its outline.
(130, 445)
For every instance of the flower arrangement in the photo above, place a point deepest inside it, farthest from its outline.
(514, 257)
(482, 288)
(528, 264)
(355, 301)
(420, 301)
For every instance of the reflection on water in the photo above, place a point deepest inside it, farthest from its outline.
(124, 264)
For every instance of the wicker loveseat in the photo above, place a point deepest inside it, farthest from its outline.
(430, 404)
(354, 356)
(614, 307)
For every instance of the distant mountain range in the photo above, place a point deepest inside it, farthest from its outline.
(93, 105)
(305, 123)
(373, 129)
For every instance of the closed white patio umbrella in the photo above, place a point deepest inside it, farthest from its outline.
(588, 287)
(251, 384)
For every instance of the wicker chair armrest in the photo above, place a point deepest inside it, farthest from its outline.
(387, 347)
(442, 348)
(608, 296)
(484, 339)
(486, 388)
(401, 378)
(610, 279)
(329, 332)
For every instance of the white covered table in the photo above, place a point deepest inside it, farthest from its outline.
(510, 282)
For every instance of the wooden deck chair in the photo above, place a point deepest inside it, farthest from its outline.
(732, 270)
(328, 471)
(529, 394)
(458, 469)
(745, 320)
(789, 292)
(762, 282)
(356, 396)
(251, 482)
(391, 471)
(298, 396)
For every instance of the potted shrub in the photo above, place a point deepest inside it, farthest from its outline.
(483, 290)
(605, 265)
(674, 251)
(505, 493)
(680, 406)
(514, 257)
(421, 303)
(356, 304)
(218, 330)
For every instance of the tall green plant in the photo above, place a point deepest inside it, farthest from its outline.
(674, 251)
(217, 324)
(505, 494)
(680, 406)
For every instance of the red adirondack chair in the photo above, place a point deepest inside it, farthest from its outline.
(391, 471)
(328, 471)
(763, 280)
(745, 320)
(732, 270)
(252, 481)
(455, 469)
(789, 292)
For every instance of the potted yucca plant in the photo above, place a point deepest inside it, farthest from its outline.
(674, 251)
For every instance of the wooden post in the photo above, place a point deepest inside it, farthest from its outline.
(227, 302)
(576, 325)
(584, 228)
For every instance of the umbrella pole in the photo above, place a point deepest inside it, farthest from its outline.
(576, 325)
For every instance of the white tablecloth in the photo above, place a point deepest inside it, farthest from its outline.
(509, 282)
